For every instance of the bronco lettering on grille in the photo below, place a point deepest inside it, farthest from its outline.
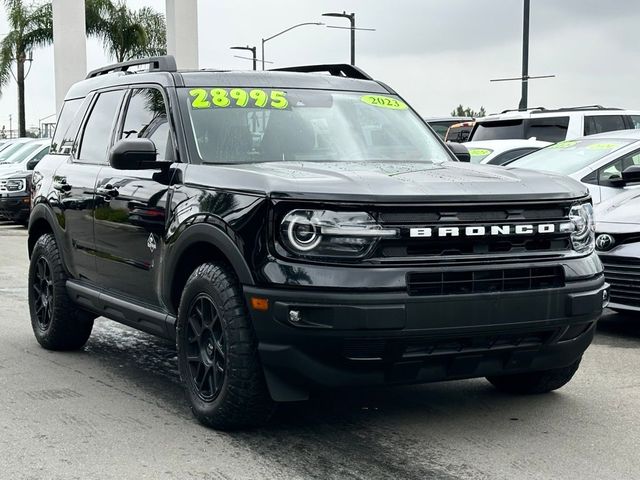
(482, 231)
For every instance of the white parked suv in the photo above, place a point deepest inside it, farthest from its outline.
(553, 125)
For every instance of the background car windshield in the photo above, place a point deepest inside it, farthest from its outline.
(243, 125)
(570, 156)
(10, 150)
(22, 153)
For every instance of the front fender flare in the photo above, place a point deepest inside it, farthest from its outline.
(208, 233)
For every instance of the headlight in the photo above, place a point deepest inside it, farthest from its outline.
(16, 185)
(323, 233)
(582, 228)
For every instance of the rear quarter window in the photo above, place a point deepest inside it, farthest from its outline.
(68, 113)
(603, 123)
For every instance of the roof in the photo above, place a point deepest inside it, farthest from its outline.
(161, 71)
(448, 119)
(503, 145)
(543, 112)
(630, 134)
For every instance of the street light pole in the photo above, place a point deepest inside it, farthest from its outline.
(352, 21)
(524, 100)
(265, 40)
(253, 51)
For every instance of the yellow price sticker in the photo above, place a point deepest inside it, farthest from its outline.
(602, 146)
(384, 102)
(479, 152)
(202, 98)
(565, 144)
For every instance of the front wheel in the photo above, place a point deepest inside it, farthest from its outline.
(217, 352)
(535, 382)
(57, 323)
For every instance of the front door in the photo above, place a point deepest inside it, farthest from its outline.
(131, 205)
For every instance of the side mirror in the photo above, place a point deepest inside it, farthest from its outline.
(134, 154)
(31, 164)
(460, 151)
(631, 174)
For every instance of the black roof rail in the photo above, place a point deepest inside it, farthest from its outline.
(523, 109)
(583, 107)
(336, 70)
(165, 63)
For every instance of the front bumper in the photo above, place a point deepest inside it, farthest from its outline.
(622, 271)
(15, 207)
(357, 339)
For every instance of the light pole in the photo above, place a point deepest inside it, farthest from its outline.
(265, 40)
(525, 77)
(524, 99)
(352, 20)
(253, 54)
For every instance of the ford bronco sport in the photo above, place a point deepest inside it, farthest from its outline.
(301, 230)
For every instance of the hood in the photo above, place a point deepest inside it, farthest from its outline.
(8, 168)
(15, 171)
(390, 181)
(620, 214)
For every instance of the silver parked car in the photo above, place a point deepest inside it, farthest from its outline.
(597, 161)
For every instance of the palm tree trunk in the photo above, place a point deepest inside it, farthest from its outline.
(22, 130)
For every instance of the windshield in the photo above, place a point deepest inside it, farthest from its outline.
(10, 150)
(570, 156)
(244, 125)
(21, 154)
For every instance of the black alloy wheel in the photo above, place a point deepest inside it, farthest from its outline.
(206, 348)
(43, 294)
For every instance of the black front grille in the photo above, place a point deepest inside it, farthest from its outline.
(623, 274)
(484, 281)
(473, 215)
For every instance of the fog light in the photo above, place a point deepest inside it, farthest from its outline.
(295, 316)
(605, 298)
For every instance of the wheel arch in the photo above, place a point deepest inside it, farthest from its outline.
(41, 221)
(196, 245)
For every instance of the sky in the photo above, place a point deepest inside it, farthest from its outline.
(435, 53)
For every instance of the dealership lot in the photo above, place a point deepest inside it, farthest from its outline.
(117, 409)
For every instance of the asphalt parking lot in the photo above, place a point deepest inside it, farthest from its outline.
(116, 411)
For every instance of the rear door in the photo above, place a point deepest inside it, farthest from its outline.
(74, 181)
(131, 204)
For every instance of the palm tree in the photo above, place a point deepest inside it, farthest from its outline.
(125, 33)
(30, 27)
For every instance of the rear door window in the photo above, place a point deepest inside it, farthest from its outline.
(547, 129)
(603, 123)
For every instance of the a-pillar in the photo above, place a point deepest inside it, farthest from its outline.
(182, 32)
(69, 46)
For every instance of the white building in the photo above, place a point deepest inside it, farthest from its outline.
(70, 40)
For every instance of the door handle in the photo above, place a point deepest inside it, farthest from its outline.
(61, 186)
(107, 191)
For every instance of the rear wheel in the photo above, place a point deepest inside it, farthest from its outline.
(217, 352)
(57, 323)
(535, 382)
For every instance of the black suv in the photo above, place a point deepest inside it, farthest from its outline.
(300, 230)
